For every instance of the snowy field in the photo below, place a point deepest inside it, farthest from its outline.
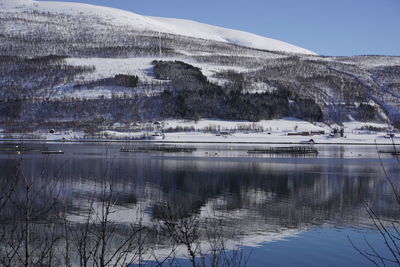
(198, 137)
(139, 66)
(142, 68)
(215, 131)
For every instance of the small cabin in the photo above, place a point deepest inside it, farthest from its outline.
(389, 135)
(294, 134)
(299, 134)
(317, 132)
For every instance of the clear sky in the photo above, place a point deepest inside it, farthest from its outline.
(327, 27)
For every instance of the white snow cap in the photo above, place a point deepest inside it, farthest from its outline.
(168, 25)
(205, 31)
(15, 3)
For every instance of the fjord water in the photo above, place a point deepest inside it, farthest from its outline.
(288, 211)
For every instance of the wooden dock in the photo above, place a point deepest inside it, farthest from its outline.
(393, 152)
(21, 148)
(165, 149)
(292, 150)
(50, 152)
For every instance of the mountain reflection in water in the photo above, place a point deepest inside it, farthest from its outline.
(260, 199)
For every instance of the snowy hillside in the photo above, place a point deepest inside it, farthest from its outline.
(83, 67)
(156, 24)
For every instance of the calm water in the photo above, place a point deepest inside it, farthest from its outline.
(287, 211)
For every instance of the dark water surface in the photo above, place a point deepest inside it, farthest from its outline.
(290, 211)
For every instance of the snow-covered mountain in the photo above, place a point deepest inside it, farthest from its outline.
(77, 64)
(145, 23)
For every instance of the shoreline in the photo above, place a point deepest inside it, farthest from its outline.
(285, 132)
(196, 142)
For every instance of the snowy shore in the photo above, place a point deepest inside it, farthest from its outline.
(283, 131)
(236, 139)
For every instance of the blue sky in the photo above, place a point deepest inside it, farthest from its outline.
(327, 27)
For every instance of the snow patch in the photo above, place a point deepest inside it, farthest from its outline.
(279, 126)
(15, 3)
(205, 31)
(141, 67)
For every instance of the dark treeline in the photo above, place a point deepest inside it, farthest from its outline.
(121, 80)
(35, 77)
(187, 94)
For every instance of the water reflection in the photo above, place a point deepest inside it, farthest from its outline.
(293, 191)
(261, 199)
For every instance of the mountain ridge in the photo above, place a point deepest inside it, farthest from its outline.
(169, 25)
